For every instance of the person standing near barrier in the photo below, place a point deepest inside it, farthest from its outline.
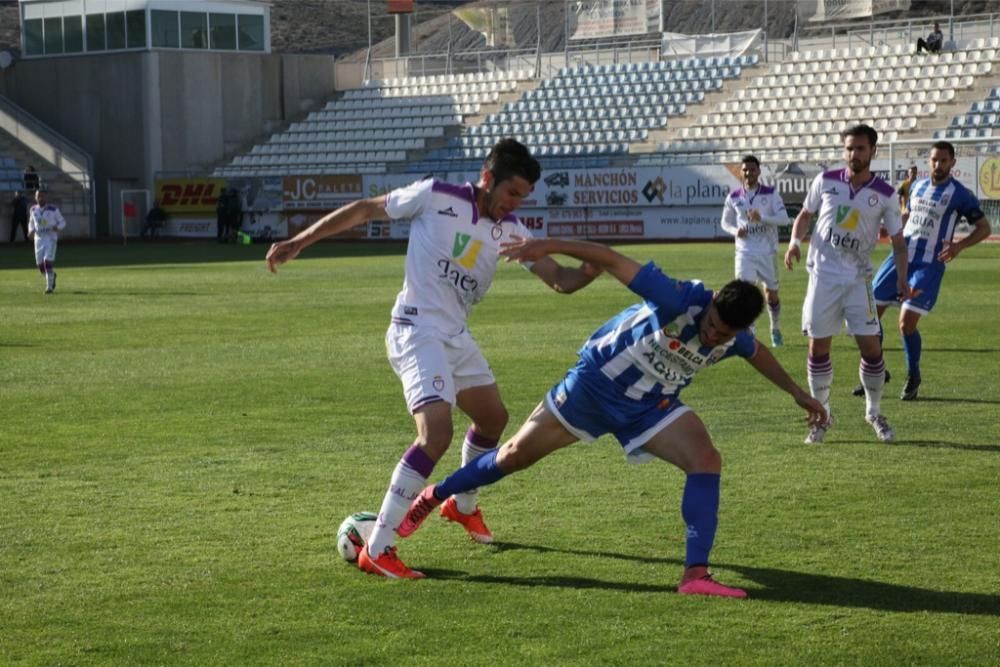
(45, 221)
(18, 215)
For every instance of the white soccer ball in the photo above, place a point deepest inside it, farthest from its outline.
(353, 534)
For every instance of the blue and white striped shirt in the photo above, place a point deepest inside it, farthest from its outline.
(652, 348)
(934, 213)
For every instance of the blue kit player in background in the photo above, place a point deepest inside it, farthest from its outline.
(627, 382)
(935, 207)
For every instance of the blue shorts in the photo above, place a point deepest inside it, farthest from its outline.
(589, 404)
(924, 277)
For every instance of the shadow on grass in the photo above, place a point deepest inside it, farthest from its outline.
(930, 444)
(81, 254)
(957, 399)
(772, 584)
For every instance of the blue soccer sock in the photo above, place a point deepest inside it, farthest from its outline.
(700, 510)
(912, 346)
(480, 471)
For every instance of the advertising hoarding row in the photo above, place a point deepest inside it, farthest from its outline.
(637, 203)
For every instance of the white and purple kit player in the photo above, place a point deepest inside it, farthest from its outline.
(45, 221)
(455, 232)
(627, 383)
(752, 214)
(851, 205)
(936, 205)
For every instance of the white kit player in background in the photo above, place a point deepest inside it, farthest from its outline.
(456, 232)
(851, 204)
(45, 221)
(752, 214)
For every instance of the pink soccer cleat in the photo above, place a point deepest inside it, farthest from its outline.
(420, 509)
(706, 585)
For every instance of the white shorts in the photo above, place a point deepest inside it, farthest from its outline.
(828, 306)
(433, 367)
(757, 268)
(45, 248)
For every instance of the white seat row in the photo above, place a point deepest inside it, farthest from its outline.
(319, 124)
(317, 158)
(459, 79)
(894, 62)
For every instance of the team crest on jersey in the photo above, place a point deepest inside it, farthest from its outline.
(496, 232)
(465, 250)
(873, 200)
(847, 218)
(437, 383)
(715, 356)
(945, 199)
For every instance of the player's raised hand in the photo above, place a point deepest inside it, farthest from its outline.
(281, 252)
(792, 256)
(520, 249)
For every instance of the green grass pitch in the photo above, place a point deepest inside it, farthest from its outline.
(182, 432)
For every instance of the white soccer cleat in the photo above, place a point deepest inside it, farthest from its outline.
(883, 431)
(818, 432)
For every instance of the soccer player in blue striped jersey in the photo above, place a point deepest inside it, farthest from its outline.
(936, 205)
(627, 382)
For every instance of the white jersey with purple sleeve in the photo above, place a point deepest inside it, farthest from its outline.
(762, 236)
(934, 213)
(652, 348)
(848, 224)
(45, 221)
(451, 256)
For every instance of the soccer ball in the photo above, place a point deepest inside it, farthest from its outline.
(353, 534)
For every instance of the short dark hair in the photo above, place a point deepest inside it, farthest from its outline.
(739, 303)
(944, 146)
(861, 131)
(509, 158)
(750, 158)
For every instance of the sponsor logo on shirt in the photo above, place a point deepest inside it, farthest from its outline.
(450, 212)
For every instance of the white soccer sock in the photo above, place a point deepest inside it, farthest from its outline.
(405, 485)
(820, 373)
(50, 278)
(466, 502)
(774, 312)
(873, 380)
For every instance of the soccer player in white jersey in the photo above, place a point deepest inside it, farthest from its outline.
(935, 206)
(752, 214)
(45, 221)
(451, 258)
(851, 204)
(628, 381)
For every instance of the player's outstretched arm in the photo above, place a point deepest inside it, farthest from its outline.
(769, 367)
(344, 218)
(621, 267)
(565, 279)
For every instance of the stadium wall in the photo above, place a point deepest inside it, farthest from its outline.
(147, 112)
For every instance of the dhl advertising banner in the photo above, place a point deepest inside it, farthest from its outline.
(189, 197)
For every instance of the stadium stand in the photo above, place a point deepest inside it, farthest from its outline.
(795, 112)
(377, 125)
(10, 175)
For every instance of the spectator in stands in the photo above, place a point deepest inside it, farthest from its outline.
(154, 220)
(904, 188)
(31, 182)
(934, 41)
(19, 215)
